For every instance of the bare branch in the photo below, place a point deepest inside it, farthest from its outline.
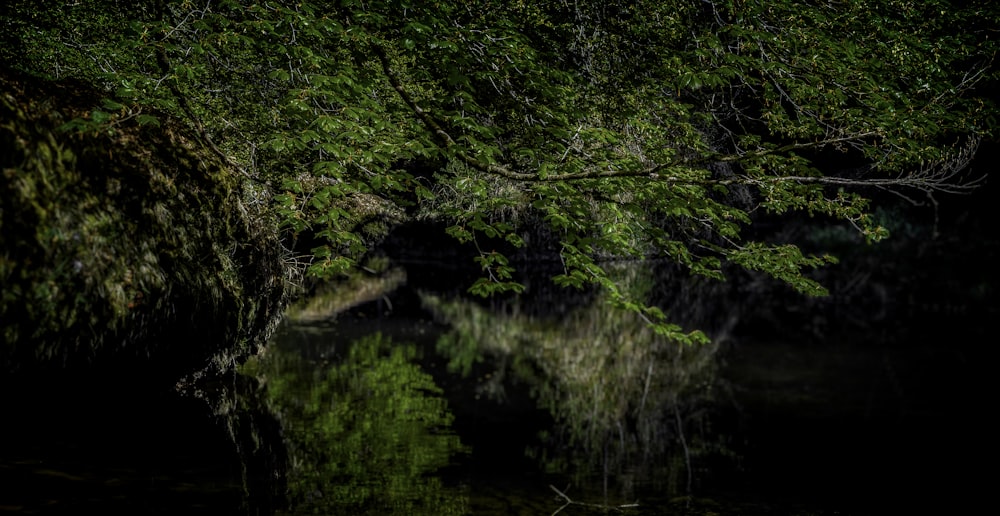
(569, 501)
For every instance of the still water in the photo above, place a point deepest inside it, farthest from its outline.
(408, 397)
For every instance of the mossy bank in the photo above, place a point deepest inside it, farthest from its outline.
(124, 240)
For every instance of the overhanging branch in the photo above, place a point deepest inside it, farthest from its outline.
(940, 176)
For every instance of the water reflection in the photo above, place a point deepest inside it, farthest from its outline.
(366, 427)
(364, 434)
(629, 406)
(427, 401)
(403, 396)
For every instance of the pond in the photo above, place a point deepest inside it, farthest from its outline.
(414, 398)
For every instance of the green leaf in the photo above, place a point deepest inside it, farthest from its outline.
(147, 120)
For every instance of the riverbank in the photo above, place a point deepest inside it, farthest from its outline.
(125, 240)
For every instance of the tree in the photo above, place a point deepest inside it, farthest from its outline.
(629, 129)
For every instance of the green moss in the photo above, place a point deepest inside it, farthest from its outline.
(129, 242)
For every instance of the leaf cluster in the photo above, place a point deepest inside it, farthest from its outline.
(629, 129)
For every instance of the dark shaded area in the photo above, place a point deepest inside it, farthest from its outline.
(861, 428)
(91, 444)
(87, 441)
(124, 244)
(877, 399)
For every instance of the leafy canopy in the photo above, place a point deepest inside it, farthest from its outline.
(628, 129)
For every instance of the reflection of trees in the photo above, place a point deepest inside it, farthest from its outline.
(240, 408)
(359, 287)
(626, 399)
(364, 435)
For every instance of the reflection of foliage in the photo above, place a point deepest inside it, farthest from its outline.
(240, 407)
(364, 435)
(621, 393)
(355, 288)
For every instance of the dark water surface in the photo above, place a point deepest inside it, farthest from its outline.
(94, 446)
(427, 403)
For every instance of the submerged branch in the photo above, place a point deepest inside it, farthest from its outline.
(569, 501)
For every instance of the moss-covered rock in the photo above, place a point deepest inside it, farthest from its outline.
(123, 242)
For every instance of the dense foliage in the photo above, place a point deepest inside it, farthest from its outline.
(627, 129)
(114, 252)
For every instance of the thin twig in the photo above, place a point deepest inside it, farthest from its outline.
(569, 501)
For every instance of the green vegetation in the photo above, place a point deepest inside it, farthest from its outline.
(364, 436)
(115, 250)
(627, 129)
(625, 400)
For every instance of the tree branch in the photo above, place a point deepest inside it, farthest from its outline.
(164, 62)
(569, 501)
(935, 177)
